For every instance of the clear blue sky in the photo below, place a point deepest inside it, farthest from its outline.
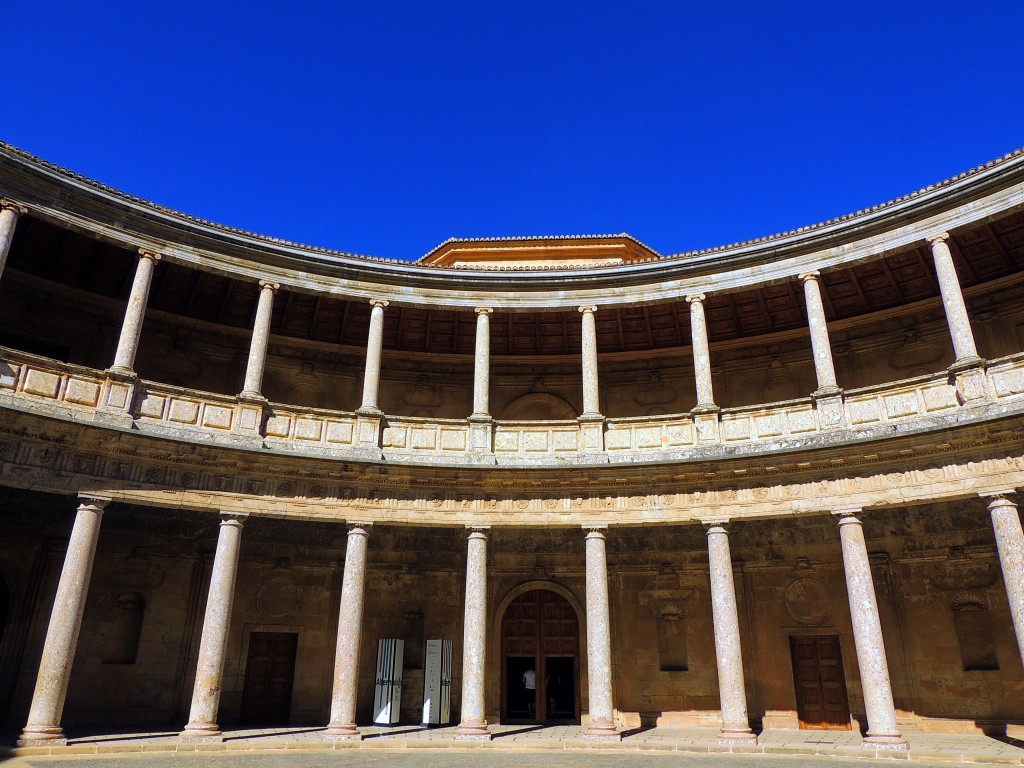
(387, 127)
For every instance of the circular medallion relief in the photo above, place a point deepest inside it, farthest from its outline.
(277, 598)
(807, 601)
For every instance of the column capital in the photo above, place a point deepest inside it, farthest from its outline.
(939, 238)
(811, 275)
(236, 519)
(379, 303)
(12, 205)
(847, 515)
(358, 527)
(87, 499)
(149, 253)
(715, 525)
(483, 310)
(588, 309)
(1000, 498)
(695, 297)
(269, 284)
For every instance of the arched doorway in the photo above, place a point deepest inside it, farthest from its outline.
(540, 644)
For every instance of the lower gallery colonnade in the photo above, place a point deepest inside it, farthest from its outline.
(44, 721)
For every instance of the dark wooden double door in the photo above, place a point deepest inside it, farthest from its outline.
(269, 676)
(540, 639)
(820, 684)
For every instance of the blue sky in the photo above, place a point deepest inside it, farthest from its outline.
(387, 127)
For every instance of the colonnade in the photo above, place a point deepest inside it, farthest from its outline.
(44, 721)
(966, 364)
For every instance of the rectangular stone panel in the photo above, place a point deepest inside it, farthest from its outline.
(901, 404)
(277, 426)
(768, 425)
(565, 441)
(736, 428)
(863, 411)
(42, 383)
(939, 397)
(506, 441)
(535, 441)
(424, 439)
(648, 437)
(679, 434)
(617, 440)
(82, 392)
(8, 374)
(153, 406)
(452, 440)
(395, 437)
(339, 432)
(1008, 382)
(308, 429)
(217, 417)
(184, 411)
(801, 421)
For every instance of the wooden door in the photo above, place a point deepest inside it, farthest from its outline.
(269, 674)
(820, 683)
(540, 629)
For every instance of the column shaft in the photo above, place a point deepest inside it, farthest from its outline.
(350, 629)
(701, 353)
(1010, 544)
(591, 398)
(374, 347)
(131, 328)
(599, 643)
(474, 645)
(867, 636)
(9, 213)
(202, 719)
(253, 386)
(44, 716)
(953, 301)
(732, 691)
(824, 368)
(482, 364)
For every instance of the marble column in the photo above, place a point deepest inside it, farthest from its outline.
(9, 213)
(601, 725)
(824, 368)
(731, 688)
(253, 386)
(350, 628)
(1010, 544)
(202, 719)
(43, 727)
(131, 328)
(482, 364)
(953, 302)
(701, 354)
(473, 725)
(591, 399)
(374, 347)
(883, 732)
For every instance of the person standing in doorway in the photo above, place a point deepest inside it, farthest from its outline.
(530, 692)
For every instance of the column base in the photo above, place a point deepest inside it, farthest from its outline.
(473, 732)
(893, 742)
(601, 730)
(346, 732)
(737, 737)
(42, 736)
(200, 733)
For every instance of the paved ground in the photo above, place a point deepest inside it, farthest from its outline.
(512, 747)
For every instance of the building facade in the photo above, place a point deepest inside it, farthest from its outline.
(768, 485)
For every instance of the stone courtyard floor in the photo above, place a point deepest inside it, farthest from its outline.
(416, 747)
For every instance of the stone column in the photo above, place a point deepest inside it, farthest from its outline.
(1010, 544)
(731, 688)
(601, 726)
(591, 399)
(131, 328)
(202, 719)
(473, 725)
(953, 303)
(883, 732)
(820, 346)
(374, 346)
(350, 628)
(701, 354)
(258, 346)
(43, 727)
(9, 213)
(482, 364)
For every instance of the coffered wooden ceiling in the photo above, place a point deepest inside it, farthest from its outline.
(984, 253)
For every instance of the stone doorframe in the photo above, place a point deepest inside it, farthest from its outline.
(495, 662)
